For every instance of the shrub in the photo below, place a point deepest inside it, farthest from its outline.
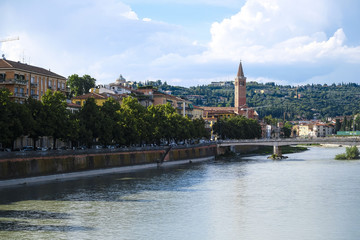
(351, 153)
(341, 156)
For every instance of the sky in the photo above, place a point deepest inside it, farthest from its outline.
(187, 42)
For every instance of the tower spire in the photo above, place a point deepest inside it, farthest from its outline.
(240, 73)
(240, 89)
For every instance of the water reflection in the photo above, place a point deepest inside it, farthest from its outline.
(25, 226)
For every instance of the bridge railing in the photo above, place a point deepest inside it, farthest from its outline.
(300, 140)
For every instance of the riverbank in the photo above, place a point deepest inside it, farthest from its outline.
(44, 168)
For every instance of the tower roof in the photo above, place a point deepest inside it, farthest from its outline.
(240, 73)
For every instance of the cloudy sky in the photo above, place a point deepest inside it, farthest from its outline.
(187, 42)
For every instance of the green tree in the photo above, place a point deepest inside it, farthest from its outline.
(37, 120)
(80, 85)
(5, 116)
(133, 120)
(56, 115)
(337, 125)
(238, 127)
(350, 154)
(90, 119)
(287, 129)
(14, 119)
(111, 127)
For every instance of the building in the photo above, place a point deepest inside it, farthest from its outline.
(313, 130)
(99, 98)
(197, 112)
(183, 107)
(222, 84)
(240, 90)
(240, 107)
(25, 80)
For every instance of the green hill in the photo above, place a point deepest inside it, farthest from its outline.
(302, 102)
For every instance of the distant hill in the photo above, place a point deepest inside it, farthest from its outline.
(295, 103)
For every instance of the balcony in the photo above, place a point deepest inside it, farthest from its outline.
(35, 96)
(19, 95)
(13, 81)
(33, 85)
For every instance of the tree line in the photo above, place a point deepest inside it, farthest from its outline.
(126, 124)
(238, 127)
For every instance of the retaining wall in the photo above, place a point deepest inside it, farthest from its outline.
(47, 165)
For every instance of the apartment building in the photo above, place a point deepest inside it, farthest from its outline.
(25, 80)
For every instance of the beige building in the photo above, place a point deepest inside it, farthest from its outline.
(25, 80)
(313, 130)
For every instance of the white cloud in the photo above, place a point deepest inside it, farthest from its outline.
(106, 38)
(280, 31)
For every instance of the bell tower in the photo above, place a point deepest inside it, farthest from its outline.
(240, 89)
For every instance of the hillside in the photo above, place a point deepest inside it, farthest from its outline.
(302, 102)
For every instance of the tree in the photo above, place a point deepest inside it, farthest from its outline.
(337, 125)
(56, 115)
(111, 126)
(287, 129)
(14, 119)
(90, 122)
(350, 154)
(80, 85)
(136, 129)
(5, 116)
(37, 122)
(238, 127)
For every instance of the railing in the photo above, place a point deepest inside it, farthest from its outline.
(14, 81)
(34, 96)
(31, 154)
(320, 140)
(33, 85)
(19, 95)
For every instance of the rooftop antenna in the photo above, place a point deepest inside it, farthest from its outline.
(7, 40)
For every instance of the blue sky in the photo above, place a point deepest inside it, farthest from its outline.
(187, 42)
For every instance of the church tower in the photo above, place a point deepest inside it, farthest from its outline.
(240, 89)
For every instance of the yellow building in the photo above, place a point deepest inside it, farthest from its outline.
(306, 130)
(197, 112)
(99, 98)
(25, 80)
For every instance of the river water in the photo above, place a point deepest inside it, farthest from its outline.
(307, 196)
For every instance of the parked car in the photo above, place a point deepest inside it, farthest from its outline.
(28, 148)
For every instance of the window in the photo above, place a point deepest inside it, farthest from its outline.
(16, 90)
(32, 80)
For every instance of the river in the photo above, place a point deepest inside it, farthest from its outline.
(307, 196)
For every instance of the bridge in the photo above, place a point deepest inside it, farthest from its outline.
(276, 143)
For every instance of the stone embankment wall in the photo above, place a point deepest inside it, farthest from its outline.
(46, 165)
